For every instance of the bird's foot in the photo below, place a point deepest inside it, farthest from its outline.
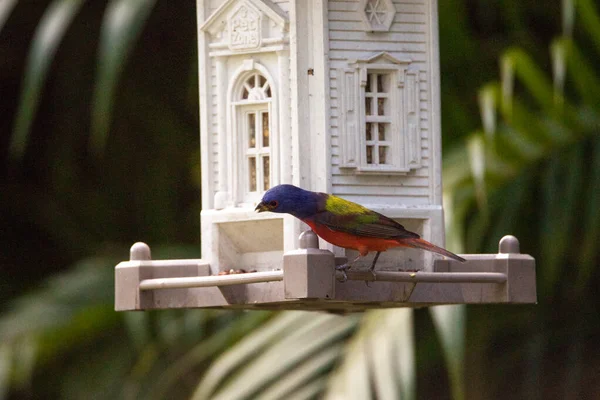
(343, 268)
(373, 275)
(372, 267)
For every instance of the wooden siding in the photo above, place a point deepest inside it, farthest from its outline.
(408, 38)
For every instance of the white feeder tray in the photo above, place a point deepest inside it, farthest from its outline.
(308, 281)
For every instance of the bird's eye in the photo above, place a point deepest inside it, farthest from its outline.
(274, 203)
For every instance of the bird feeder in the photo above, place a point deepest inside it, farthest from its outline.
(340, 97)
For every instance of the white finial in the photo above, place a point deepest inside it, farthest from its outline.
(309, 240)
(140, 251)
(509, 245)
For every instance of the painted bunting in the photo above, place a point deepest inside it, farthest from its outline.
(344, 223)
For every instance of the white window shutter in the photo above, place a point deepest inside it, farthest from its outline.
(412, 120)
(349, 118)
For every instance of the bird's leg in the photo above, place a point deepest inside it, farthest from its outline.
(372, 267)
(345, 267)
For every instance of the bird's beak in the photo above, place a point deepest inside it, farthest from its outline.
(262, 207)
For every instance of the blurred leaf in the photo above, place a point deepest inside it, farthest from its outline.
(54, 318)
(98, 380)
(138, 328)
(352, 379)
(454, 224)
(123, 23)
(60, 205)
(56, 303)
(536, 82)
(488, 98)
(304, 376)
(590, 19)
(450, 325)
(542, 179)
(220, 340)
(568, 16)
(309, 391)
(477, 161)
(379, 362)
(6, 7)
(5, 369)
(588, 257)
(561, 191)
(583, 75)
(234, 375)
(508, 204)
(48, 35)
(25, 354)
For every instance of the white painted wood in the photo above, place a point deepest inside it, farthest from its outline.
(284, 167)
(205, 143)
(435, 107)
(319, 97)
(222, 195)
(271, 276)
(317, 56)
(307, 280)
(376, 15)
(210, 281)
(299, 58)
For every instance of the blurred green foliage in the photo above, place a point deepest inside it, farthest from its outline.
(534, 170)
(99, 149)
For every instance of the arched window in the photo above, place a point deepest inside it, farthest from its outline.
(256, 87)
(254, 135)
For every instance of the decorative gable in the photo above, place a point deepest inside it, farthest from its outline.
(245, 26)
(383, 57)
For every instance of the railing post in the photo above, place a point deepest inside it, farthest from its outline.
(309, 273)
(128, 275)
(520, 270)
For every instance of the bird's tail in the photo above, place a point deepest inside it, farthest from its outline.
(425, 245)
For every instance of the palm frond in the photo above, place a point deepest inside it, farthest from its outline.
(582, 73)
(534, 173)
(5, 9)
(122, 25)
(46, 322)
(5, 369)
(214, 343)
(379, 361)
(295, 342)
(450, 325)
(530, 133)
(590, 20)
(48, 35)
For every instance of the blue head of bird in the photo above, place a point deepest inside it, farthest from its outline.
(291, 200)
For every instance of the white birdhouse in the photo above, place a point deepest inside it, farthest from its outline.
(334, 96)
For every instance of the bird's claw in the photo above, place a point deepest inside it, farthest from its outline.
(343, 268)
(373, 275)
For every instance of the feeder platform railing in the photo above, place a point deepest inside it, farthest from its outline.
(308, 280)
